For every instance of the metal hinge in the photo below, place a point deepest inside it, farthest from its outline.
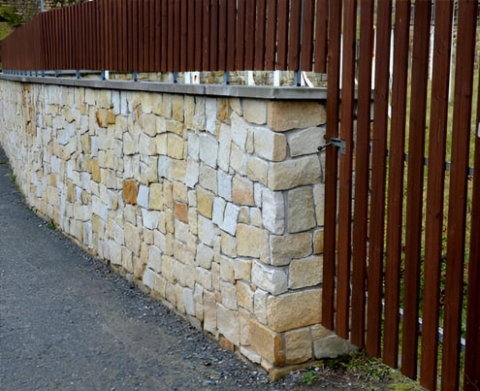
(336, 142)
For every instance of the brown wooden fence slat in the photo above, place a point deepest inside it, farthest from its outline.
(282, 34)
(198, 35)
(183, 36)
(379, 146)
(472, 358)
(294, 35)
(271, 35)
(435, 191)
(214, 27)
(231, 34)
(395, 184)
(141, 25)
(240, 35)
(191, 35)
(465, 58)
(331, 165)
(345, 192)
(360, 222)
(321, 29)
(206, 35)
(415, 179)
(249, 35)
(260, 31)
(222, 34)
(307, 35)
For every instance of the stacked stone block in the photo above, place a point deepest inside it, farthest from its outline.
(212, 204)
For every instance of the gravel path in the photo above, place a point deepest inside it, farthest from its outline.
(68, 323)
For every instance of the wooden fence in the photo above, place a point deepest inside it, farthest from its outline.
(402, 234)
(173, 35)
(402, 239)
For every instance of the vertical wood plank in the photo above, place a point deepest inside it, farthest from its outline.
(345, 172)
(240, 35)
(222, 34)
(158, 35)
(198, 34)
(282, 34)
(467, 21)
(294, 35)
(231, 34)
(379, 147)
(206, 35)
(271, 35)
(331, 165)
(192, 28)
(362, 173)
(321, 36)
(435, 191)
(214, 30)
(395, 184)
(472, 358)
(306, 59)
(250, 35)
(183, 36)
(176, 41)
(260, 30)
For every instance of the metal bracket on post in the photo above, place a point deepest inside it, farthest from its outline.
(336, 142)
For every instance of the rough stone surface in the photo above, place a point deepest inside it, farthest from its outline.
(292, 173)
(306, 142)
(301, 212)
(267, 343)
(284, 248)
(298, 346)
(283, 116)
(305, 272)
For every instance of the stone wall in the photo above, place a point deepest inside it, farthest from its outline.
(213, 204)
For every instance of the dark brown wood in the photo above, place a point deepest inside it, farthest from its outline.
(379, 147)
(331, 167)
(198, 35)
(435, 192)
(307, 35)
(345, 172)
(415, 184)
(206, 35)
(294, 35)
(214, 27)
(231, 34)
(465, 58)
(282, 34)
(321, 36)
(362, 173)
(158, 35)
(191, 38)
(271, 35)
(249, 35)
(222, 35)
(240, 35)
(395, 225)
(472, 358)
(260, 31)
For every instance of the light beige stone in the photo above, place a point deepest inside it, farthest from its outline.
(267, 343)
(283, 115)
(156, 196)
(298, 346)
(284, 248)
(177, 107)
(318, 241)
(327, 344)
(242, 191)
(306, 141)
(305, 272)
(269, 278)
(269, 145)
(252, 242)
(242, 269)
(292, 173)
(227, 272)
(205, 202)
(245, 296)
(257, 170)
(180, 211)
(228, 292)
(319, 198)
(255, 111)
(301, 211)
(294, 310)
(130, 192)
(175, 146)
(228, 324)
(228, 245)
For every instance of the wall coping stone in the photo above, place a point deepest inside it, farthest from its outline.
(232, 91)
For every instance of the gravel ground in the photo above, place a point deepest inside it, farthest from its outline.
(67, 322)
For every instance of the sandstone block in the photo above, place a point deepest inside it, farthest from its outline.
(294, 310)
(298, 346)
(229, 295)
(305, 272)
(318, 241)
(242, 191)
(150, 219)
(188, 301)
(242, 269)
(130, 192)
(252, 242)
(154, 259)
(206, 231)
(267, 343)
(204, 256)
(205, 202)
(284, 115)
(143, 194)
(228, 324)
(273, 208)
(230, 218)
(224, 185)
(177, 107)
(239, 131)
(132, 238)
(193, 146)
(328, 344)
(228, 245)
(175, 146)
(208, 150)
(211, 115)
(210, 312)
(238, 160)
(292, 173)
(306, 141)
(208, 178)
(148, 122)
(180, 211)
(319, 198)
(284, 248)
(301, 211)
(224, 147)
(257, 170)
(271, 279)
(245, 296)
(156, 196)
(269, 145)
(255, 111)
